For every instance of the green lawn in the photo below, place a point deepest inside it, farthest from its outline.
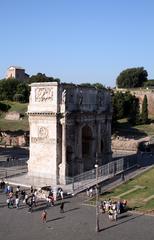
(141, 199)
(9, 125)
(125, 129)
(16, 106)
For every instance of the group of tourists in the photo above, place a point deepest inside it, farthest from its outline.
(17, 197)
(91, 191)
(113, 208)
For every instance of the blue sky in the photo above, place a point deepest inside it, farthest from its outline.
(77, 40)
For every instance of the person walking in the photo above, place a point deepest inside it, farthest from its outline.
(62, 207)
(8, 202)
(44, 216)
(17, 202)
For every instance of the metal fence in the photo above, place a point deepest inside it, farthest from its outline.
(104, 172)
(16, 167)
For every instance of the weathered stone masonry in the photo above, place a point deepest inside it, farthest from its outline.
(68, 125)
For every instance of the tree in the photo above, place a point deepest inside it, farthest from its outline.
(41, 77)
(8, 88)
(149, 83)
(125, 105)
(22, 93)
(18, 98)
(134, 114)
(144, 114)
(4, 107)
(118, 105)
(132, 78)
(98, 85)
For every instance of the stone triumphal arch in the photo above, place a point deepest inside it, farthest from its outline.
(68, 125)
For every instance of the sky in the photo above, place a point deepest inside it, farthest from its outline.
(78, 41)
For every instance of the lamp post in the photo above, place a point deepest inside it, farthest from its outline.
(97, 196)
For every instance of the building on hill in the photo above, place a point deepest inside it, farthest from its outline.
(17, 73)
(69, 124)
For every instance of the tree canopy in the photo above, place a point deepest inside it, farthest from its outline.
(15, 90)
(132, 78)
(125, 105)
(41, 77)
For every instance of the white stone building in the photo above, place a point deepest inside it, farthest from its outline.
(68, 125)
(17, 73)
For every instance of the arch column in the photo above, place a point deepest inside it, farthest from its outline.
(62, 165)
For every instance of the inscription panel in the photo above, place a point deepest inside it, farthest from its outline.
(43, 140)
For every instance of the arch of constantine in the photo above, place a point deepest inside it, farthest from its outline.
(69, 124)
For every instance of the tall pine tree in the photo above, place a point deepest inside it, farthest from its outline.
(144, 114)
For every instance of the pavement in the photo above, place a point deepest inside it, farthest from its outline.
(78, 222)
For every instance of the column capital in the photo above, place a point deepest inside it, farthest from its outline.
(63, 121)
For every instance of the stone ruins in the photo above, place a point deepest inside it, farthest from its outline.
(69, 124)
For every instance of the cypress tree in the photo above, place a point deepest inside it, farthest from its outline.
(134, 114)
(144, 114)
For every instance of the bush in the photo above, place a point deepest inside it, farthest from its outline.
(18, 98)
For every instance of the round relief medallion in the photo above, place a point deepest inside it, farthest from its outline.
(43, 132)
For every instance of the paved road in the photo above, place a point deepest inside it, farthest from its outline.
(76, 223)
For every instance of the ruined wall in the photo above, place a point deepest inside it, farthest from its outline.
(12, 116)
(11, 139)
(140, 93)
(150, 96)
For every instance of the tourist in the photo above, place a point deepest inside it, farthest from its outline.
(16, 194)
(18, 189)
(31, 189)
(44, 216)
(30, 204)
(118, 207)
(2, 184)
(23, 193)
(26, 197)
(17, 202)
(115, 213)
(91, 192)
(102, 207)
(87, 192)
(34, 200)
(62, 207)
(110, 213)
(8, 189)
(8, 202)
(61, 194)
(11, 202)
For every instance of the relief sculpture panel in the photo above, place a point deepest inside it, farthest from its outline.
(43, 94)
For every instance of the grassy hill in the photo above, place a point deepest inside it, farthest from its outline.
(9, 125)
